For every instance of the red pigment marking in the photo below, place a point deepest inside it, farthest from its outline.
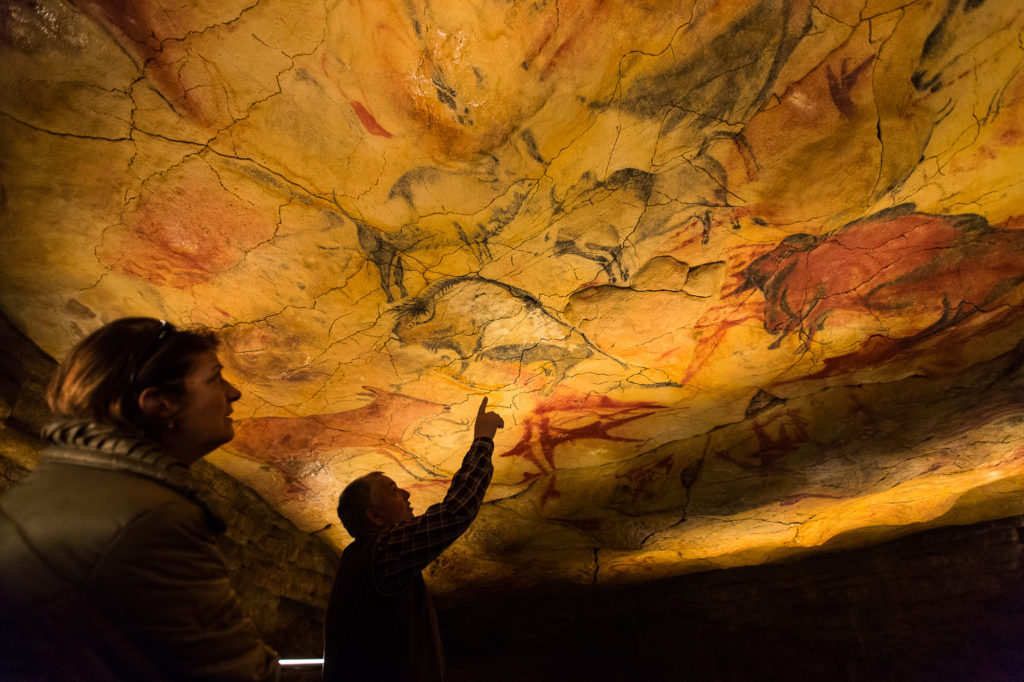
(276, 441)
(185, 231)
(541, 436)
(588, 291)
(954, 336)
(133, 18)
(790, 430)
(749, 161)
(584, 525)
(167, 63)
(714, 325)
(367, 119)
(542, 41)
(1014, 223)
(840, 86)
(945, 268)
(568, 46)
(716, 322)
(551, 492)
(642, 477)
(784, 441)
(1011, 137)
(530, 477)
(688, 234)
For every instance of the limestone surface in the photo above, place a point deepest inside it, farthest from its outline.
(746, 279)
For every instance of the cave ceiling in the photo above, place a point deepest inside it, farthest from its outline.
(745, 279)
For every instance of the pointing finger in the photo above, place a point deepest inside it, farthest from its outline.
(483, 407)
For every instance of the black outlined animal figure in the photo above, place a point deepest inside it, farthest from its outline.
(584, 231)
(477, 235)
(607, 256)
(961, 29)
(386, 256)
(470, 322)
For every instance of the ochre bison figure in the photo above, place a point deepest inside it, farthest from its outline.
(913, 274)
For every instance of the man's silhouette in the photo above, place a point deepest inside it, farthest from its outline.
(380, 622)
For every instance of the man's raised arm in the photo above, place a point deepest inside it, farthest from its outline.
(404, 550)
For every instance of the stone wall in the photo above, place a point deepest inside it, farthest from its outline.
(282, 575)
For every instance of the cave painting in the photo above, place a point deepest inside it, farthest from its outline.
(291, 445)
(188, 229)
(743, 278)
(556, 421)
(898, 277)
(777, 436)
(910, 275)
(480, 330)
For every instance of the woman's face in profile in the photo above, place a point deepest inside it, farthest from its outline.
(203, 422)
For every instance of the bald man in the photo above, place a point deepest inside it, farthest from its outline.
(380, 623)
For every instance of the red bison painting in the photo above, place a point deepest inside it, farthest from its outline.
(915, 274)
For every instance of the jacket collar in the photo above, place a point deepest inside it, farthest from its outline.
(102, 446)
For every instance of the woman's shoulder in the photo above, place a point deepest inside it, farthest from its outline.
(72, 519)
(90, 507)
(92, 487)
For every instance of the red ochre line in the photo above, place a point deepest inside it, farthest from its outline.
(367, 119)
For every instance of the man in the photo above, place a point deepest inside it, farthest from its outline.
(380, 623)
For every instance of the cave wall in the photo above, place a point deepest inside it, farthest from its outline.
(944, 605)
(745, 278)
(282, 575)
(742, 276)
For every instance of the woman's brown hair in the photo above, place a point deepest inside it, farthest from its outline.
(103, 375)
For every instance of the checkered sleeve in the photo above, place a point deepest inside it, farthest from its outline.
(403, 551)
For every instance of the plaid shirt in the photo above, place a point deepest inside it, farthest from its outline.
(404, 550)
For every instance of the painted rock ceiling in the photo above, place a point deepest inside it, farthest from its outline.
(744, 278)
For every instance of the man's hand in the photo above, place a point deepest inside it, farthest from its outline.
(487, 423)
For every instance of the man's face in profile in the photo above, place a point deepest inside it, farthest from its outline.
(390, 504)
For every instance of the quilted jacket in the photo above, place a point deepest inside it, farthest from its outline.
(110, 570)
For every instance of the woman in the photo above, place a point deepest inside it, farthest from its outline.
(109, 567)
